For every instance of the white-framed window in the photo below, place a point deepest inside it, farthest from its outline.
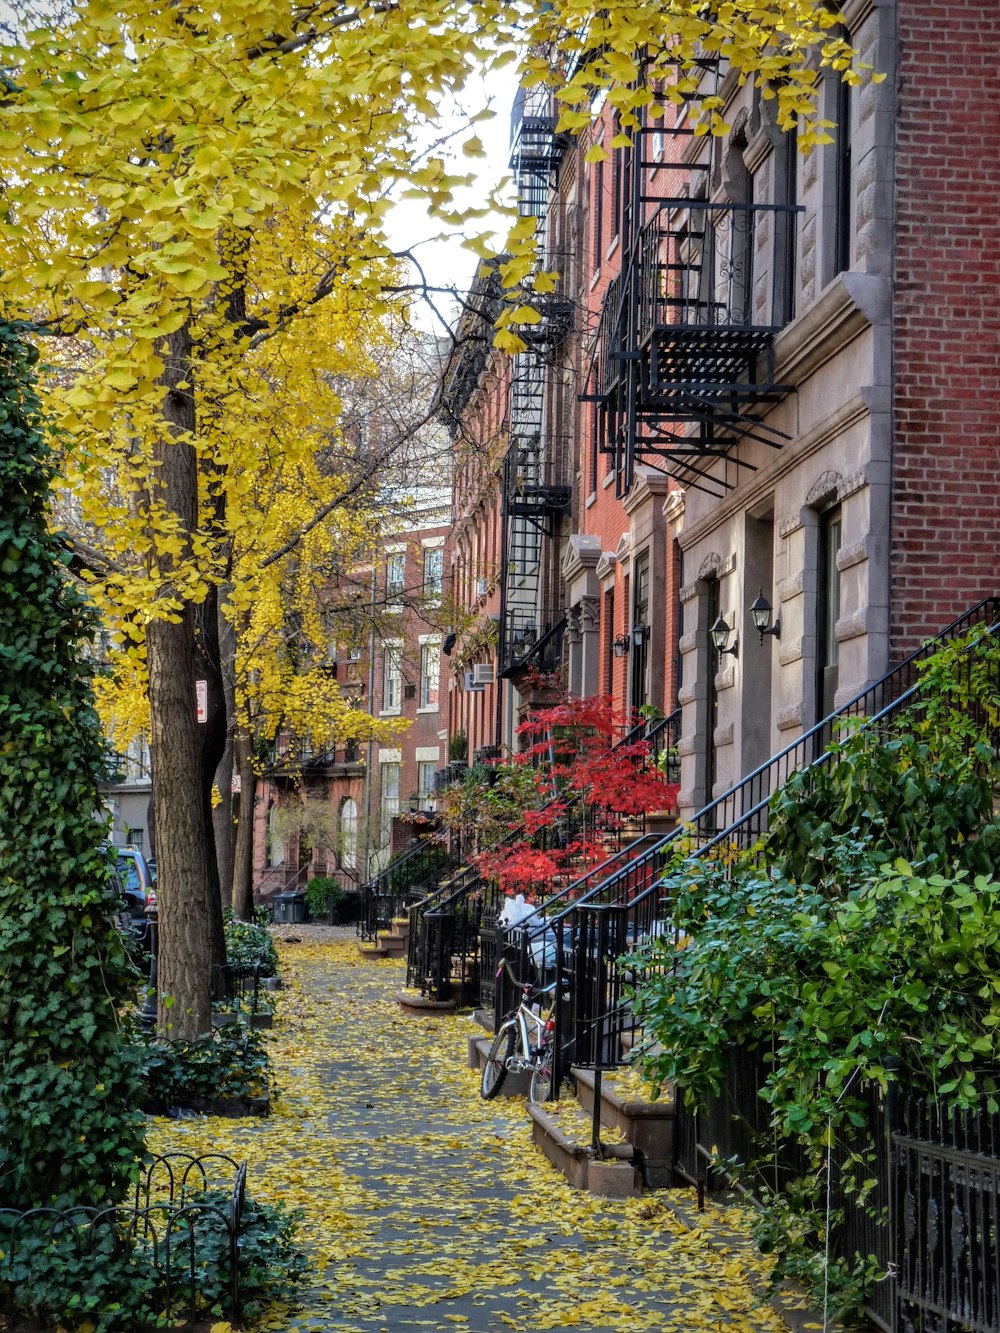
(275, 846)
(430, 674)
(389, 774)
(426, 769)
(349, 833)
(395, 576)
(433, 571)
(392, 677)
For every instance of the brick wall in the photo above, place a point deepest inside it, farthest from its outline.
(945, 529)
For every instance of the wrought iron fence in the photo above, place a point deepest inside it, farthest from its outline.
(388, 893)
(173, 1250)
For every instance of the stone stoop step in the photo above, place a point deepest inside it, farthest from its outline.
(514, 1085)
(614, 1177)
(420, 1004)
(648, 1126)
(373, 951)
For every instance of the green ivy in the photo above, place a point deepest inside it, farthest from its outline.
(69, 1129)
(861, 937)
(58, 1275)
(232, 1062)
(248, 945)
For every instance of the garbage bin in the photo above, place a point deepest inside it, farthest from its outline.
(289, 908)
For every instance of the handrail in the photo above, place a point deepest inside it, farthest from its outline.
(517, 834)
(635, 889)
(697, 825)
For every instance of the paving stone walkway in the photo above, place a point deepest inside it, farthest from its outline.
(426, 1208)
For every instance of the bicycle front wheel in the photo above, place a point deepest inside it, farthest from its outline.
(542, 1087)
(496, 1062)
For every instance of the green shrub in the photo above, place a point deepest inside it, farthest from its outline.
(112, 1289)
(324, 894)
(232, 1062)
(249, 944)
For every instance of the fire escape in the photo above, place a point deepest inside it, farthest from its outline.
(683, 367)
(534, 494)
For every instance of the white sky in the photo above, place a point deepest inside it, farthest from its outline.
(445, 262)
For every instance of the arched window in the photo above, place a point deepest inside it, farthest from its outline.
(275, 846)
(348, 834)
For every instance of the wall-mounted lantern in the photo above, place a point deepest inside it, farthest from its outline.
(640, 633)
(760, 614)
(620, 645)
(720, 635)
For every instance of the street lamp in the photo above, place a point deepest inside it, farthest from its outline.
(720, 633)
(760, 614)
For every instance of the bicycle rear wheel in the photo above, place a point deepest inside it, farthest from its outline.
(496, 1062)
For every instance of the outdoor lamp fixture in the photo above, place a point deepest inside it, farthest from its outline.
(760, 614)
(620, 645)
(414, 803)
(640, 633)
(720, 633)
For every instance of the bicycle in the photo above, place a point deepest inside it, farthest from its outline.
(524, 1041)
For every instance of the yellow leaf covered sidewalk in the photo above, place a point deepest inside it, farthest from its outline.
(426, 1208)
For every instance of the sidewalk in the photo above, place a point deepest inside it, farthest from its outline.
(429, 1209)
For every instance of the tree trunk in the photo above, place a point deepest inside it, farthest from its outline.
(243, 860)
(224, 814)
(184, 1006)
(212, 737)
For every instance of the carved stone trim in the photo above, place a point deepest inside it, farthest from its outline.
(687, 694)
(687, 745)
(723, 735)
(792, 587)
(687, 643)
(825, 488)
(624, 548)
(606, 565)
(590, 614)
(849, 556)
(711, 566)
(688, 593)
(792, 715)
(789, 523)
(790, 651)
(582, 553)
(725, 678)
(573, 624)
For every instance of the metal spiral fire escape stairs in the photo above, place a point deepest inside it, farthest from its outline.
(683, 368)
(533, 496)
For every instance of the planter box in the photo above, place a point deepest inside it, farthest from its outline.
(233, 1108)
(648, 1126)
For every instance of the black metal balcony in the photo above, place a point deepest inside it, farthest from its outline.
(684, 361)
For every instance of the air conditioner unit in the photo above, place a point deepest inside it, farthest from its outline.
(470, 684)
(482, 587)
(354, 655)
(482, 673)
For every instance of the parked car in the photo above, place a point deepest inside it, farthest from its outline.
(137, 890)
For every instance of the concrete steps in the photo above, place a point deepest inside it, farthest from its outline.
(389, 943)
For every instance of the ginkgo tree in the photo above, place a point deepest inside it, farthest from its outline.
(183, 185)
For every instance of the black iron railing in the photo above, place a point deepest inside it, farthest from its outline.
(178, 1240)
(411, 875)
(734, 821)
(453, 934)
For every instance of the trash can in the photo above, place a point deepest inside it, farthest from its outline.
(289, 908)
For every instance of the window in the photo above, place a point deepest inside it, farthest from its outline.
(598, 210)
(828, 613)
(348, 834)
(430, 674)
(392, 677)
(433, 570)
(275, 846)
(390, 798)
(395, 575)
(425, 780)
